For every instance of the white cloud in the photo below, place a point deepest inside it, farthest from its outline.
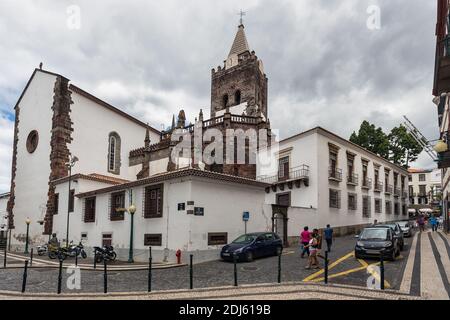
(152, 58)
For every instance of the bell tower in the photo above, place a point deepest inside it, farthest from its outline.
(240, 82)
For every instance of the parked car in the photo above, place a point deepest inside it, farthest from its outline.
(375, 240)
(406, 228)
(398, 233)
(253, 245)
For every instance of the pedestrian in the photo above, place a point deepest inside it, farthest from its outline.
(421, 223)
(375, 222)
(328, 232)
(313, 251)
(433, 223)
(305, 237)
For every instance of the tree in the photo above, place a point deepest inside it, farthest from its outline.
(372, 139)
(403, 148)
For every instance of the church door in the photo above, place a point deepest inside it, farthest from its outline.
(279, 222)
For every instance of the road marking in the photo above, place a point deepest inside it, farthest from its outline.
(405, 285)
(331, 266)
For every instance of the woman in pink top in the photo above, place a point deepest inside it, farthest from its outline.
(305, 237)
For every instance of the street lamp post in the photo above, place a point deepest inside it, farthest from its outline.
(131, 211)
(28, 232)
(70, 165)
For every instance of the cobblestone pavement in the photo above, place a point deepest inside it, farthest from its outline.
(208, 274)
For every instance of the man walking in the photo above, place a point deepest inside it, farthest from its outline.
(328, 232)
(433, 223)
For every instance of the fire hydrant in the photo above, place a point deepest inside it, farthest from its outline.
(178, 254)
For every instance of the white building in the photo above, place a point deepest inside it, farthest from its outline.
(424, 187)
(324, 179)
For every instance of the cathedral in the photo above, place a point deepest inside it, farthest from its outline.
(87, 171)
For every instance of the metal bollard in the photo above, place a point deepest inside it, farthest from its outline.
(95, 259)
(24, 278)
(235, 270)
(76, 260)
(279, 267)
(381, 271)
(191, 272)
(149, 289)
(31, 257)
(326, 267)
(105, 277)
(60, 276)
(4, 258)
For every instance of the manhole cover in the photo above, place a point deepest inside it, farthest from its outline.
(250, 268)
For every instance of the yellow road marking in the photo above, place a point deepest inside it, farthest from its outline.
(364, 266)
(331, 266)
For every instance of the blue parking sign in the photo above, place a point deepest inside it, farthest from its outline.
(246, 216)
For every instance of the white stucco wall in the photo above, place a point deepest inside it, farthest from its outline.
(92, 124)
(223, 205)
(33, 170)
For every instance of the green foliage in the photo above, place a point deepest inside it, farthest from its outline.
(372, 139)
(398, 147)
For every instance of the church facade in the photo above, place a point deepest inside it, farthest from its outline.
(81, 167)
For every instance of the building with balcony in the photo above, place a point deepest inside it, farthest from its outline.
(321, 178)
(425, 189)
(441, 92)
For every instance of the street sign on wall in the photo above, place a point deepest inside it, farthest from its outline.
(245, 215)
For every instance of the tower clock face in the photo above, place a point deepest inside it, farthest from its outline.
(32, 141)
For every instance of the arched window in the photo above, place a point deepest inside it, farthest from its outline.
(237, 97)
(224, 100)
(114, 153)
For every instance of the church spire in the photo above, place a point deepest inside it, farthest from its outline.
(240, 44)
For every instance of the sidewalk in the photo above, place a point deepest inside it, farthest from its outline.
(285, 291)
(83, 264)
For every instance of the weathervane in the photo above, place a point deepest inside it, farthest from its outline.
(241, 13)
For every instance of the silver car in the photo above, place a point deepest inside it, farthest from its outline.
(406, 228)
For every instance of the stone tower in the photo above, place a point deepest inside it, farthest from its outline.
(241, 80)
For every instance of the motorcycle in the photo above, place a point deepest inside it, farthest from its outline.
(72, 251)
(105, 253)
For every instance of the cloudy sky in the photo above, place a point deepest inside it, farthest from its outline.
(151, 58)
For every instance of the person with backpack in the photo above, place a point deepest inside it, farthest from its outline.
(328, 232)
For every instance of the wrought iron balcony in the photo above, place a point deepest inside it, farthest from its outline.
(396, 192)
(352, 179)
(378, 186)
(300, 172)
(388, 188)
(334, 174)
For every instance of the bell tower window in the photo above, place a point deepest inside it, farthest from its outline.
(224, 100)
(114, 153)
(237, 97)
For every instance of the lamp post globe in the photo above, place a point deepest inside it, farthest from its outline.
(27, 221)
(440, 146)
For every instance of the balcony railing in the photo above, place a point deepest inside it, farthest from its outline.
(388, 188)
(352, 179)
(378, 186)
(396, 192)
(335, 174)
(404, 194)
(299, 172)
(422, 194)
(366, 183)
